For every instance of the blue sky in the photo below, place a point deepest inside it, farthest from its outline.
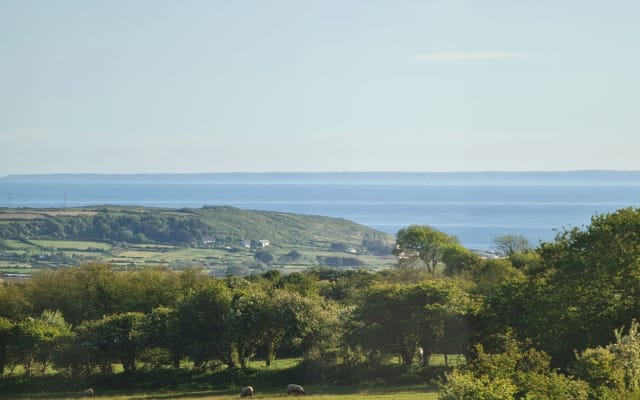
(217, 86)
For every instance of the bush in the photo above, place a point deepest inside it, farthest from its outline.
(551, 386)
(466, 386)
(263, 256)
(514, 373)
(613, 371)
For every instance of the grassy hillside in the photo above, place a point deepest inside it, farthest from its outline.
(287, 228)
(209, 237)
(222, 223)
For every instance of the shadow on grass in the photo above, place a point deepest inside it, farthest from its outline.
(183, 383)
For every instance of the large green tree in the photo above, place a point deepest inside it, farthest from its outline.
(585, 284)
(14, 303)
(81, 293)
(205, 320)
(594, 281)
(395, 319)
(118, 338)
(423, 243)
(35, 339)
(160, 330)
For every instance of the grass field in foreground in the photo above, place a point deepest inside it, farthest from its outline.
(314, 393)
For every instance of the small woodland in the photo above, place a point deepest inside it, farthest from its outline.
(556, 321)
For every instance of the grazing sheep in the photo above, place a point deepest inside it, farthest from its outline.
(247, 392)
(88, 392)
(296, 389)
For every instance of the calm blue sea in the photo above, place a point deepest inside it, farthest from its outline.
(475, 207)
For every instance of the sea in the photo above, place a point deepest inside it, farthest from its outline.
(476, 207)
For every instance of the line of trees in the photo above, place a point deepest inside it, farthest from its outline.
(86, 318)
(151, 227)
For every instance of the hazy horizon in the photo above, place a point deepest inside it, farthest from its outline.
(393, 178)
(299, 171)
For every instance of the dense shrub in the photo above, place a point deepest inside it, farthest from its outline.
(516, 373)
(464, 385)
(613, 371)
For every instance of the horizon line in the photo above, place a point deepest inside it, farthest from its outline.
(320, 172)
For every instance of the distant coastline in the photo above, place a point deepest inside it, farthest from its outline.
(386, 177)
(474, 206)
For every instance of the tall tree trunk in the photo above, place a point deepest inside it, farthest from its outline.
(129, 365)
(407, 357)
(270, 353)
(3, 360)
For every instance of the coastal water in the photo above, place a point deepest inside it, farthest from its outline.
(475, 207)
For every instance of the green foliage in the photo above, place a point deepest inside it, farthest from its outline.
(263, 256)
(290, 257)
(551, 386)
(224, 225)
(466, 386)
(303, 283)
(117, 338)
(424, 243)
(91, 291)
(14, 303)
(491, 274)
(600, 367)
(512, 244)
(37, 339)
(5, 340)
(81, 293)
(566, 295)
(340, 261)
(529, 260)
(592, 283)
(160, 330)
(514, 373)
(458, 258)
(343, 285)
(397, 319)
(615, 367)
(204, 319)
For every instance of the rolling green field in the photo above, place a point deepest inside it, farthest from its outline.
(16, 244)
(314, 393)
(209, 238)
(27, 257)
(71, 244)
(195, 390)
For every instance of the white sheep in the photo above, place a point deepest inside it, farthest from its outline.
(296, 389)
(246, 391)
(88, 392)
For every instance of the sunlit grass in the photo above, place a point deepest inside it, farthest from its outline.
(15, 244)
(71, 244)
(313, 393)
(137, 254)
(261, 379)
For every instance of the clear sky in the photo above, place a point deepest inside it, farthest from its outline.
(309, 85)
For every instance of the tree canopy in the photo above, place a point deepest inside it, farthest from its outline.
(423, 243)
(514, 319)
